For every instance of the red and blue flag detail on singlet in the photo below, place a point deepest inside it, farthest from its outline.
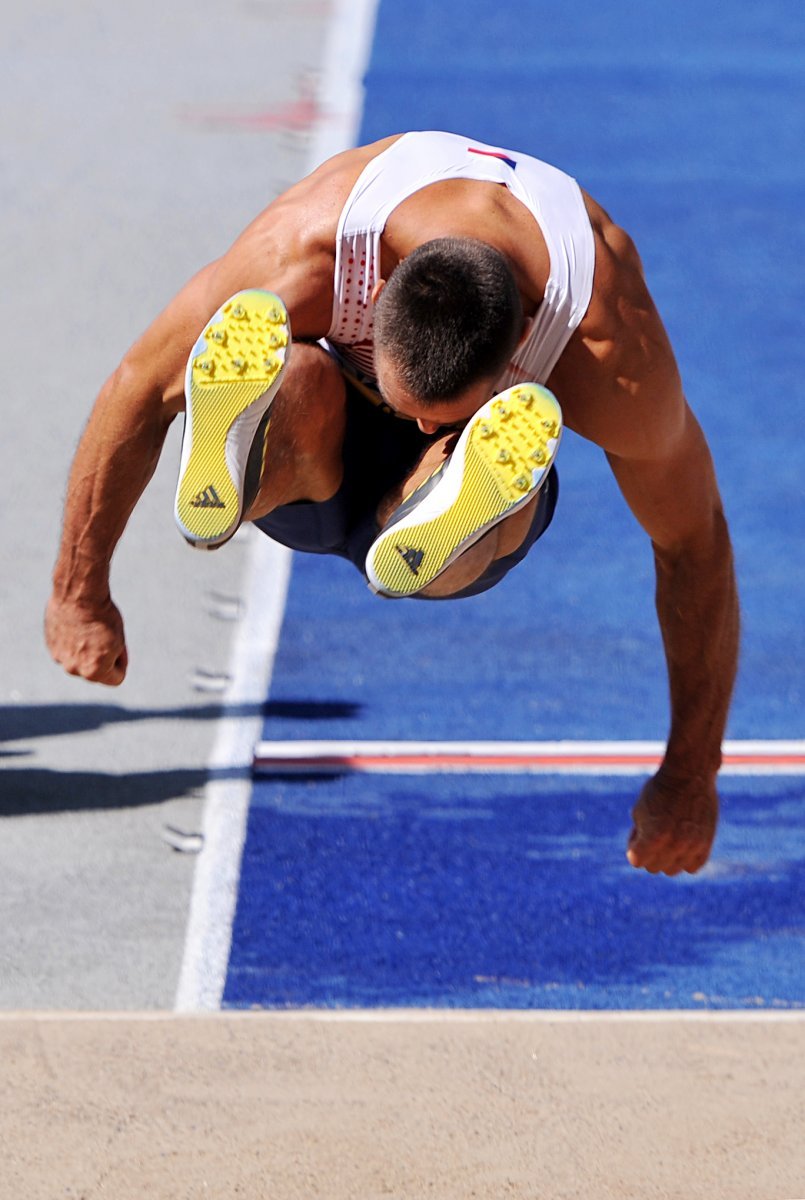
(510, 162)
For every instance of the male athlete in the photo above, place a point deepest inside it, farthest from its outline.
(380, 368)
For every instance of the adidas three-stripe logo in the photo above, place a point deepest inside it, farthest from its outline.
(209, 498)
(411, 557)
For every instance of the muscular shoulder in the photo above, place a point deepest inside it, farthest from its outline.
(618, 379)
(307, 213)
(289, 247)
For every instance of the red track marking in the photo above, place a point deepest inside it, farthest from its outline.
(565, 758)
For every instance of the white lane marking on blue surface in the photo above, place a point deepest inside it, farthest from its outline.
(215, 886)
(750, 757)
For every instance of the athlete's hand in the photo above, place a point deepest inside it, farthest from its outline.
(87, 640)
(674, 825)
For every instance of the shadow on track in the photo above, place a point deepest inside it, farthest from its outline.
(27, 788)
(36, 791)
(20, 721)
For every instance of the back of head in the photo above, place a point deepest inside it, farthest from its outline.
(449, 315)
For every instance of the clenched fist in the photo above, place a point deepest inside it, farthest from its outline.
(674, 825)
(87, 639)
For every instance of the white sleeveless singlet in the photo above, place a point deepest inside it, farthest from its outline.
(413, 162)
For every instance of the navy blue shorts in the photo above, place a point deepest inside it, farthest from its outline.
(380, 451)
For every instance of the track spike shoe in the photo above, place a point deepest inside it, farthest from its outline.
(500, 462)
(233, 373)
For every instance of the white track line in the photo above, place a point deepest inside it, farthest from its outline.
(349, 43)
(212, 905)
(565, 758)
(215, 885)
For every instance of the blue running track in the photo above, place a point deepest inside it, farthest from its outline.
(687, 123)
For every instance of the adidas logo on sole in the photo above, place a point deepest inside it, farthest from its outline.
(209, 498)
(411, 557)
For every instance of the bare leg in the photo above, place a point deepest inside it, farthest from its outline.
(303, 461)
(305, 434)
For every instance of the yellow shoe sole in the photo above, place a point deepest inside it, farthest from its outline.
(500, 462)
(233, 374)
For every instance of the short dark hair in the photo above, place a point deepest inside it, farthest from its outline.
(449, 315)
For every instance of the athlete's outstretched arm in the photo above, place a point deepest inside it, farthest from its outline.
(115, 459)
(623, 391)
(675, 497)
(121, 444)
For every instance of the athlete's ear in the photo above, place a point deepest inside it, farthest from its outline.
(377, 289)
(527, 323)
